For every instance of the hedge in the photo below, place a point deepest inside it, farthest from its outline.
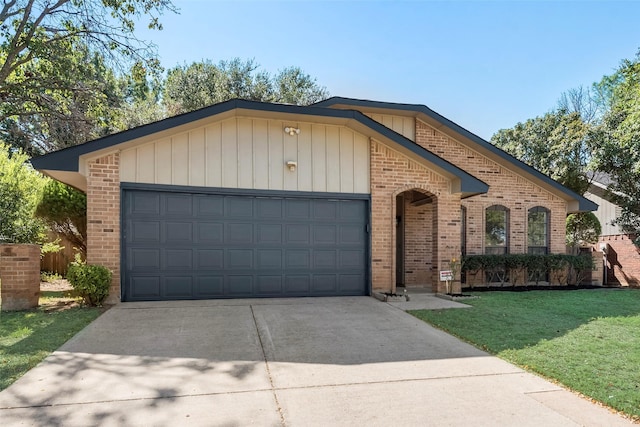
(560, 268)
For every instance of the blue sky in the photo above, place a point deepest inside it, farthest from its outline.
(484, 65)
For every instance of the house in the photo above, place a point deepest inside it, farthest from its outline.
(621, 256)
(343, 197)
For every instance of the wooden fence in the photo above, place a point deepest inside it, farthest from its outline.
(58, 262)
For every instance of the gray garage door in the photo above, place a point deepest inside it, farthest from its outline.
(199, 246)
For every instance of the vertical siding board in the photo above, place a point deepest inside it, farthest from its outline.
(197, 158)
(163, 162)
(276, 156)
(260, 154)
(229, 154)
(346, 160)
(252, 153)
(128, 160)
(319, 157)
(213, 148)
(245, 153)
(145, 169)
(333, 159)
(290, 151)
(409, 128)
(304, 170)
(180, 158)
(361, 164)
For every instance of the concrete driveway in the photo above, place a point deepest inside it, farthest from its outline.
(296, 362)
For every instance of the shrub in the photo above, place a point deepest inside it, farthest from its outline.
(91, 282)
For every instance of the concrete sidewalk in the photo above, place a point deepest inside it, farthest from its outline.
(294, 362)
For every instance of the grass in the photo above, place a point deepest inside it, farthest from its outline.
(27, 337)
(588, 340)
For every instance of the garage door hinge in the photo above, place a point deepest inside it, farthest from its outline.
(368, 228)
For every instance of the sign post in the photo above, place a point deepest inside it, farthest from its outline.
(446, 276)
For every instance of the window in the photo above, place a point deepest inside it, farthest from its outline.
(496, 231)
(538, 230)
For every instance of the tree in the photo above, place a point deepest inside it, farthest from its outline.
(200, 84)
(582, 228)
(64, 210)
(20, 189)
(556, 144)
(46, 53)
(618, 152)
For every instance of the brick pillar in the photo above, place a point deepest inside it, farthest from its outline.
(447, 225)
(103, 218)
(19, 276)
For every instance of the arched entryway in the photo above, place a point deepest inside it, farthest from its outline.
(415, 239)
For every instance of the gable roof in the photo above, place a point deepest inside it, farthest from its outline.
(443, 124)
(64, 164)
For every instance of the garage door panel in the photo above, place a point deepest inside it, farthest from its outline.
(209, 206)
(196, 246)
(178, 259)
(240, 285)
(144, 232)
(209, 287)
(239, 259)
(324, 259)
(179, 205)
(352, 259)
(178, 287)
(269, 208)
(269, 259)
(297, 209)
(350, 282)
(324, 283)
(145, 287)
(297, 259)
(178, 232)
(238, 233)
(352, 234)
(298, 284)
(210, 233)
(325, 234)
(269, 285)
(352, 210)
(144, 259)
(269, 234)
(325, 209)
(144, 203)
(210, 259)
(297, 234)
(238, 207)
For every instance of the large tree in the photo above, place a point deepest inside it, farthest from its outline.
(556, 144)
(618, 152)
(50, 53)
(200, 84)
(20, 190)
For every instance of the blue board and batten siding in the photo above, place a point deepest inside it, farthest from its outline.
(188, 243)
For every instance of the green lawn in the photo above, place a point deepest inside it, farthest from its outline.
(588, 340)
(27, 337)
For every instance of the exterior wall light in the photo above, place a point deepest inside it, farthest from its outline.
(292, 165)
(292, 131)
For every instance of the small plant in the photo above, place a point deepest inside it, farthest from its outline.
(91, 282)
(49, 276)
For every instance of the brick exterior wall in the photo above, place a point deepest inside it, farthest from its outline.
(506, 188)
(418, 243)
(20, 276)
(432, 231)
(392, 174)
(623, 260)
(103, 218)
